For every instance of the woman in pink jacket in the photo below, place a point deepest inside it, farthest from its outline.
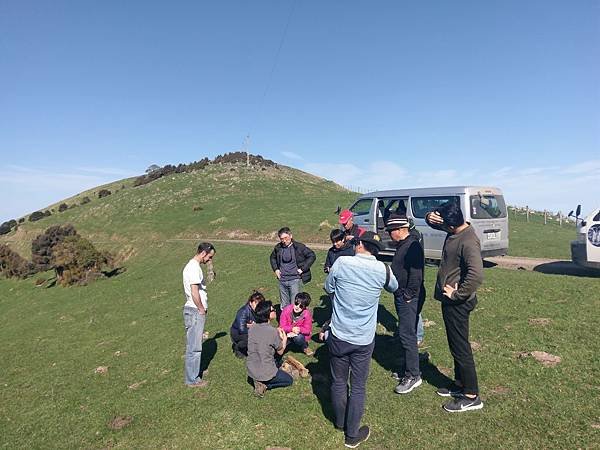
(296, 321)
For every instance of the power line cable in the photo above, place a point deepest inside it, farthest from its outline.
(270, 78)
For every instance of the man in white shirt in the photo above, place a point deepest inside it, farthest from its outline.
(194, 313)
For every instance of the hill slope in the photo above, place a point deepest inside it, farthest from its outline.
(219, 201)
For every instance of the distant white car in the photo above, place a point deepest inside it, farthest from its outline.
(585, 250)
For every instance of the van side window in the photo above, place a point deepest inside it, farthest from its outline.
(422, 205)
(487, 206)
(361, 207)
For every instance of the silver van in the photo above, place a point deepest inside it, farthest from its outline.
(482, 206)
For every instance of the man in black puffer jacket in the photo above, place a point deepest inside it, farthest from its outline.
(291, 261)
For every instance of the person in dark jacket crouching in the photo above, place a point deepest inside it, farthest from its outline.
(459, 276)
(408, 266)
(244, 319)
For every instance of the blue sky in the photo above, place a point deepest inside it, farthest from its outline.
(369, 94)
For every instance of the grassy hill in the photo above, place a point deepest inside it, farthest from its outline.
(223, 201)
(54, 338)
(235, 201)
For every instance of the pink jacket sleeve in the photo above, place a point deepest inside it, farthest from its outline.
(285, 320)
(306, 327)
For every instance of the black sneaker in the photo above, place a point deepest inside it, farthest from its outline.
(407, 384)
(452, 391)
(463, 403)
(363, 435)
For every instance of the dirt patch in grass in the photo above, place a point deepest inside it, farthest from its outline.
(475, 346)
(546, 359)
(137, 385)
(499, 390)
(218, 221)
(540, 321)
(120, 422)
(428, 323)
(101, 370)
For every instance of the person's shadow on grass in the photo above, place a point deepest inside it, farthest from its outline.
(322, 312)
(387, 355)
(320, 380)
(387, 319)
(209, 350)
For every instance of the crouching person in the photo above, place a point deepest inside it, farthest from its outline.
(264, 341)
(296, 321)
(244, 319)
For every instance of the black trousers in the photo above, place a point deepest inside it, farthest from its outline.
(408, 318)
(456, 320)
(239, 341)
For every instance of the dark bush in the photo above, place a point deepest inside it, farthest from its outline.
(22, 219)
(42, 246)
(37, 215)
(104, 193)
(13, 265)
(63, 207)
(7, 226)
(85, 200)
(76, 261)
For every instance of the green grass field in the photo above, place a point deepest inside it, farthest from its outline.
(54, 338)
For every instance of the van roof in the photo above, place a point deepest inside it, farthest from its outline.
(434, 191)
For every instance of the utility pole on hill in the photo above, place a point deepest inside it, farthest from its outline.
(245, 146)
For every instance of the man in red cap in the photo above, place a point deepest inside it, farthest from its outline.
(350, 229)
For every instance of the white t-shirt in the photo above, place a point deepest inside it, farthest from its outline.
(192, 274)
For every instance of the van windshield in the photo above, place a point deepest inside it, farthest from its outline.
(487, 206)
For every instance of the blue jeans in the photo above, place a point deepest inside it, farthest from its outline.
(348, 361)
(281, 379)
(288, 290)
(420, 329)
(194, 328)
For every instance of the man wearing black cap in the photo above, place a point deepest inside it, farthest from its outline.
(408, 266)
(356, 282)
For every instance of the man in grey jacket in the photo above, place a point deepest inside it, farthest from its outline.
(459, 276)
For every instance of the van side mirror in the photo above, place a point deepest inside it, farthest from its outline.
(578, 210)
(570, 214)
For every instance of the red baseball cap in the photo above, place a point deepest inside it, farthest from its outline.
(345, 216)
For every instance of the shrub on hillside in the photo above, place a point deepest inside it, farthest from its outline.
(76, 261)
(13, 265)
(104, 193)
(7, 226)
(22, 219)
(63, 207)
(43, 245)
(85, 200)
(37, 215)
